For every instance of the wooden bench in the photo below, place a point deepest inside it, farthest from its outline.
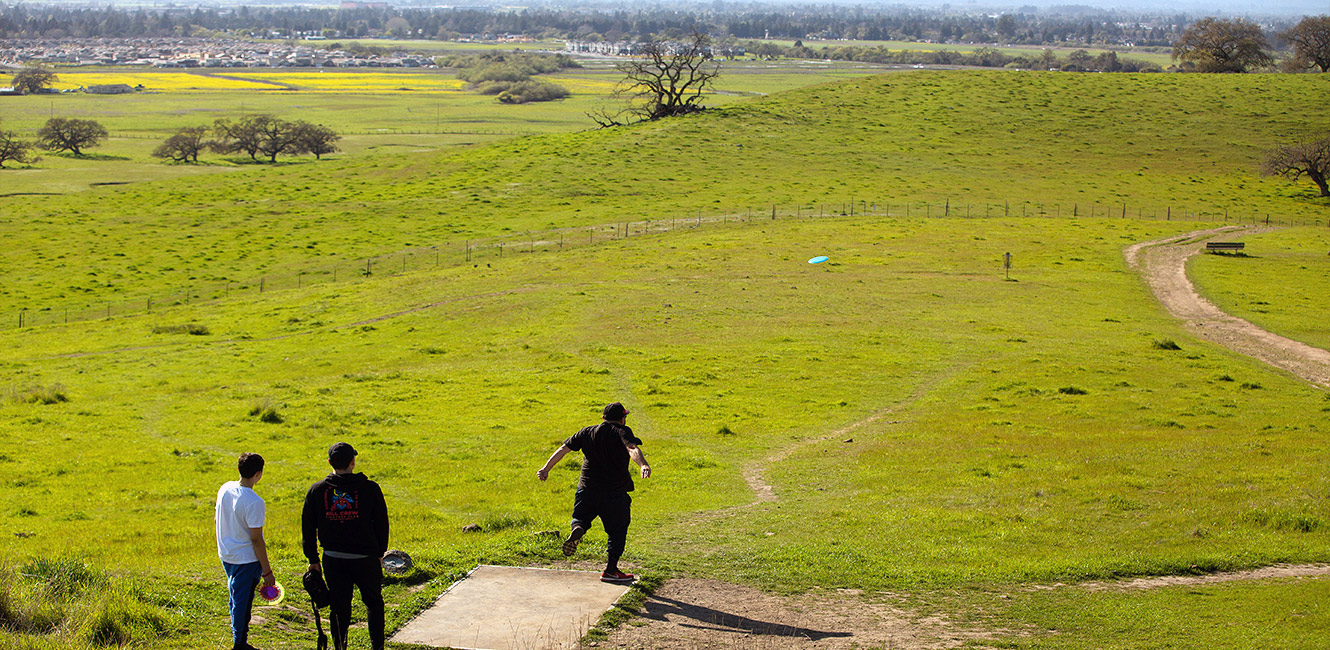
(1224, 246)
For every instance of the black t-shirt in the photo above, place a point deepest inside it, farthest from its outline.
(605, 466)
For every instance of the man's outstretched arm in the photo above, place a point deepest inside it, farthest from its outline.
(544, 472)
(635, 453)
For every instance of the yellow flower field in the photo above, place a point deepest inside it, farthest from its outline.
(377, 81)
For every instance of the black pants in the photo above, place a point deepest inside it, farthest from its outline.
(365, 574)
(615, 510)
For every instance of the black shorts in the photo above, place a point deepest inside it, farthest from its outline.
(614, 509)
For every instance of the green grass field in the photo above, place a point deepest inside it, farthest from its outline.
(1004, 433)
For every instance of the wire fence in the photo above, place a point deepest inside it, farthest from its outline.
(477, 251)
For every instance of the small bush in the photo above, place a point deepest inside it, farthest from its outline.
(193, 329)
(527, 92)
(724, 430)
(1251, 386)
(53, 394)
(265, 411)
(1072, 390)
(1166, 344)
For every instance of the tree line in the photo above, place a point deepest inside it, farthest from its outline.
(255, 135)
(1068, 25)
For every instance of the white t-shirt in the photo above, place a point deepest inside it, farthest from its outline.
(238, 509)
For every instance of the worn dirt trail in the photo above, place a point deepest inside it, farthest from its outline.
(1162, 263)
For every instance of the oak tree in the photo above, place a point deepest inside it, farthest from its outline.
(1311, 42)
(1219, 45)
(32, 79)
(316, 139)
(11, 148)
(1310, 158)
(184, 146)
(71, 134)
(668, 77)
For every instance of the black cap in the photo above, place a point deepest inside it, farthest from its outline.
(615, 411)
(341, 454)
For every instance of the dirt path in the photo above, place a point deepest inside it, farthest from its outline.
(1163, 265)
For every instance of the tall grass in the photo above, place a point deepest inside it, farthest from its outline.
(65, 603)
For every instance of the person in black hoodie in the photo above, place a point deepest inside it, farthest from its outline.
(346, 513)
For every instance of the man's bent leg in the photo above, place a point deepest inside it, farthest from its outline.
(341, 580)
(585, 509)
(241, 579)
(616, 514)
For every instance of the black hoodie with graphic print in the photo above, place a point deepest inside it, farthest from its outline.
(348, 514)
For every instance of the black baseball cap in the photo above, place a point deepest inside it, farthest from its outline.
(615, 411)
(341, 454)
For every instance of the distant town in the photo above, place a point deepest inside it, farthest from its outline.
(199, 53)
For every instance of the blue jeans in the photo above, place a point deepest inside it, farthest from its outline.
(241, 580)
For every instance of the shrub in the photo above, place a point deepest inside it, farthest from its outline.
(1072, 390)
(193, 329)
(724, 430)
(265, 411)
(532, 91)
(53, 394)
(1166, 344)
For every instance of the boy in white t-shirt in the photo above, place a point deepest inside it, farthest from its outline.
(240, 544)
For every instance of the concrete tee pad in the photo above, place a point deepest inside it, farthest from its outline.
(513, 608)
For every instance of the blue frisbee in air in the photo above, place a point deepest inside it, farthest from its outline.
(818, 260)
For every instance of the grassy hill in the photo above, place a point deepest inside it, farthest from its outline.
(985, 142)
(928, 427)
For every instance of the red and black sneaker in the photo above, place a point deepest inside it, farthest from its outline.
(570, 544)
(618, 577)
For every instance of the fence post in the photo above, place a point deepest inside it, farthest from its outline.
(946, 208)
(468, 250)
(773, 211)
(367, 268)
(20, 319)
(261, 285)
(149, 303)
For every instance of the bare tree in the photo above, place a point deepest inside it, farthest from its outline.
(71, 134)
(32, 79)
(1311, 42)
(277, 137)
(1310, 157)
(669, 77)
(1218, 45)
(184, 146)
(316, 139)
(11, 148)
(240, 136)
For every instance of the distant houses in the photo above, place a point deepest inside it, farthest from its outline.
(629, 48)
(193, 53)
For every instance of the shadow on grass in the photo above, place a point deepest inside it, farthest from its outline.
(89, 156)
(707, 618)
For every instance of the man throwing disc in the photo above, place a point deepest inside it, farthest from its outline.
(602, 490)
